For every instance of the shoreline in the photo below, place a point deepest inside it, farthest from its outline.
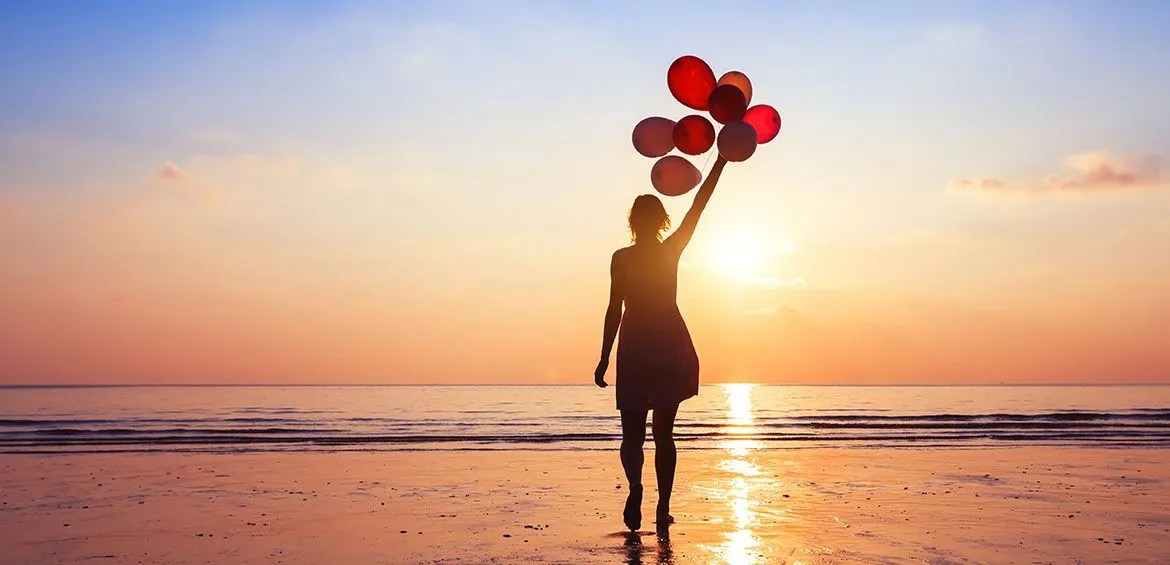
(608, 448)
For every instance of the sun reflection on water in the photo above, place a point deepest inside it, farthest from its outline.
(740, 426)
(741, 545)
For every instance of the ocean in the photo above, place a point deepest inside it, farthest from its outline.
(377, 418)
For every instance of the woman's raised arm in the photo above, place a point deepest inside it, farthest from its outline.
(682, 236)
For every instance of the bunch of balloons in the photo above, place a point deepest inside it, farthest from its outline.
(692, 82)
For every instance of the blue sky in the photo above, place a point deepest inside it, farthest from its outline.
(952, 82)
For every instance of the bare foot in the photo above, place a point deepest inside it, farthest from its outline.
(664, 518)
(633, 512)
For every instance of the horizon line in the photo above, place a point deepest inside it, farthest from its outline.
(355, 385)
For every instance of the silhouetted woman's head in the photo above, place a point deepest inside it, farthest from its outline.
(648, 218)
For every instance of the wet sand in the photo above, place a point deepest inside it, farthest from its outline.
(737, 505)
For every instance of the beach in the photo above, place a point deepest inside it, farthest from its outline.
(738, 505)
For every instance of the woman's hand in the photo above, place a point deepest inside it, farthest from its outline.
(599, 373)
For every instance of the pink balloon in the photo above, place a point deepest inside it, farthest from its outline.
(694, 135)
(654, 136)
(727, 104)
(737, 141)
(691, 81)
(674, 176)
(738, 80)
(765, 120)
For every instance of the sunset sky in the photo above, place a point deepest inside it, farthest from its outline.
(323, 192)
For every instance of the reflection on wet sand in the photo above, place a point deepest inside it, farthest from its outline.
(636, 550)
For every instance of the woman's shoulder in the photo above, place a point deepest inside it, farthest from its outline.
(621, 258)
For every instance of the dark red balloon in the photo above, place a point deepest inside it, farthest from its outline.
(765, 120)
(694, 135)
(727, 104)
(674, 176)
(738, 79)
(691, 81)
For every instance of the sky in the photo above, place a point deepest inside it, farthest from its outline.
(343, 193)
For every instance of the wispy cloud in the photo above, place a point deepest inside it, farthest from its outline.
(170, 172)
(214, 170)
(1095, 172)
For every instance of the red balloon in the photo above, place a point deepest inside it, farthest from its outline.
(694, 135)
(740, 80)
(653, 136)
(674, 176)
(691, 81)
(737, 141)
(727, 104)
(765, 120)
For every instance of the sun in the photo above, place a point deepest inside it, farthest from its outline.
(737, 255)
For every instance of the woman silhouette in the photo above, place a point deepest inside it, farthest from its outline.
(657, 367)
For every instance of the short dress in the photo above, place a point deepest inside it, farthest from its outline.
(657, 365)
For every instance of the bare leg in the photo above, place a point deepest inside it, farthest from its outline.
(633, 436)
(665, 459)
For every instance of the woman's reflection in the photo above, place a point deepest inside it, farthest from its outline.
(635, 550)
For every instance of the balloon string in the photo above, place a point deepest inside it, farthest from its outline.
(710, 153)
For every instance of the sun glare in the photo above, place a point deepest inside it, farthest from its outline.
(745, 256)
(738, 255)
